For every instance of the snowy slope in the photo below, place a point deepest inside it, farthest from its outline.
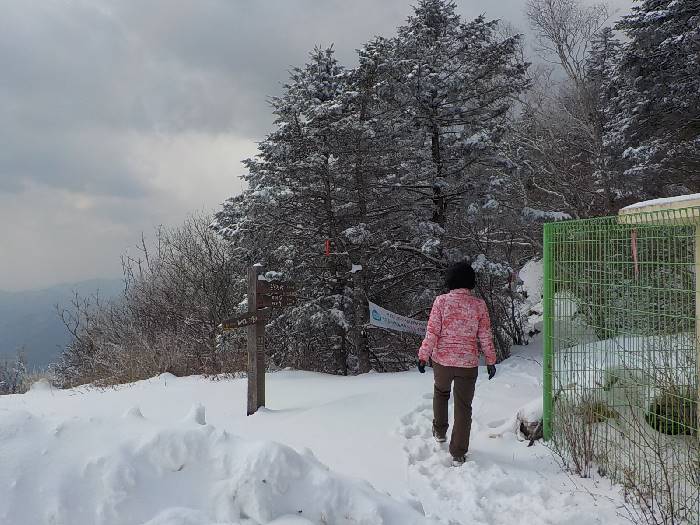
(181, 451)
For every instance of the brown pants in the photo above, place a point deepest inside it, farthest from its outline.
(465, 381)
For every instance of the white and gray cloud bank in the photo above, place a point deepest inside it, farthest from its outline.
(120, 115)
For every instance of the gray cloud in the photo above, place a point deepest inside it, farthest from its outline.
(119, 115)
(88, 160)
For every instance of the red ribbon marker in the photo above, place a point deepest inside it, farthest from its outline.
(634, 254)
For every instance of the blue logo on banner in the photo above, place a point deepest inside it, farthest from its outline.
(376, 316)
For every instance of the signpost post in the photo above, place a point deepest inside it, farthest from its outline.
(256, 347)
(262, 296)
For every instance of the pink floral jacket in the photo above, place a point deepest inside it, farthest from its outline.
(457, 321)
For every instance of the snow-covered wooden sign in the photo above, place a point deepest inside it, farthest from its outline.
(275, 288)
(262, 296)
(275, 301)
(242, 321)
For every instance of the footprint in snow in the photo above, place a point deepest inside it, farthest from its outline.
(418, 453)
(408, 418)
(411, 432)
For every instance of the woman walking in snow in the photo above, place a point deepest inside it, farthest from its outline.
(458, 322)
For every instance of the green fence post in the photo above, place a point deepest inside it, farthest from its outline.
(697, 328)
(548, 336)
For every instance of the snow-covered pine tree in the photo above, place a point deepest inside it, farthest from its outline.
(366, 161)
(658, 97)
(453, 85)
(296, 201)
(13, 374)
(382, 161)
(601, 93)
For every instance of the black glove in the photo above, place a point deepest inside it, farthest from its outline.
(421, 366)
(491, 369)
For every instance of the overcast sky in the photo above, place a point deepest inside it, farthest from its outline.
(120, 115)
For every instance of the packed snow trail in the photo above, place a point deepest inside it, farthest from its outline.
(181, 451)
(503, 481)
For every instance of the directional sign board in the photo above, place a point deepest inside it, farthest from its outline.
(275, 301)
(275, 288)
(263, 295)
(243, 320)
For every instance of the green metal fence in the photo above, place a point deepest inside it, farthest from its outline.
(621, 355)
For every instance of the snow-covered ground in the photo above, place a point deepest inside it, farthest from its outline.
(181, 451)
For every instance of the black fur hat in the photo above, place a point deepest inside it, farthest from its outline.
(460, 275)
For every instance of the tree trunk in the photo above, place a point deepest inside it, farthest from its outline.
(361, 341)
(439, 204)
(361, 306)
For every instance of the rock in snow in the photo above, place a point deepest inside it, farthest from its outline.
(529, 421)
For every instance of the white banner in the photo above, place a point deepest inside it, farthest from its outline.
(383, 318)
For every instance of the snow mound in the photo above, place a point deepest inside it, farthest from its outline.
(626, 359)
(133, 470)
(532, 411)
(167, 377)
(186, 453)
(529, 420)
(532, 277)
(42, 385)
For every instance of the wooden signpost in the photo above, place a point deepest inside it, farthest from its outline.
(275, 301)
(242, 320)
(275, 288)
(262, 297)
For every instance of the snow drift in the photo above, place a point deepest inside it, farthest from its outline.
(149, 453)
(134, 471)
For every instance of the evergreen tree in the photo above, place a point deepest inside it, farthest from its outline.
(658, 83)
(295, 203)
(382, 162)
(454, 84)
(601, 92)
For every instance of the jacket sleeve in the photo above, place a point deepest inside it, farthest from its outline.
(485, 336)
(432, 334)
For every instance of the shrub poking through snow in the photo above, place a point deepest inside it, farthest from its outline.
(674, 413)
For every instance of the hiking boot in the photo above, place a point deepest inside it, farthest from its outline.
(458, 460)
(438, 437)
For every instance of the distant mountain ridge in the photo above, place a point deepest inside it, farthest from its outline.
(28, 318)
